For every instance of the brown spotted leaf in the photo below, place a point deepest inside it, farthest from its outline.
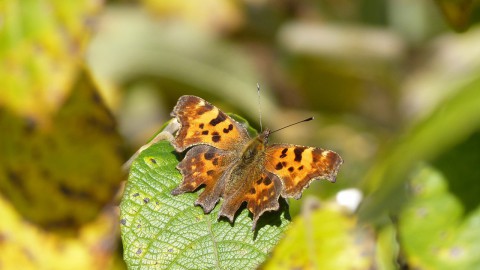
(60, 174)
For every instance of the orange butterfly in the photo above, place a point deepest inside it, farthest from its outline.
(230, 164)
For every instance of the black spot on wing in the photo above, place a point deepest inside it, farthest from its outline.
(217, 120)
(208, 155)
(279, 166)
(215, 137)
(227, 130)
(298, 153)
(267, 181)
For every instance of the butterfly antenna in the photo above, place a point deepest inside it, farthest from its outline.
(259, 107)
(304, 120)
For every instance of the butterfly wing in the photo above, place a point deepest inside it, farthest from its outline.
(260, 189)
(204, 165)
(203, 123)
(297, 166)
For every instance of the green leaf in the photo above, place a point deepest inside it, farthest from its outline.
(324, 237)
(387, 249)
(458, 165)
(434, 232)
(163, 231)
(451, 123)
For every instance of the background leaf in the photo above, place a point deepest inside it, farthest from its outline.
(458, 13)
(48, 171)
(450, 240)
(391, 86)
(26, 246)
(452, 122)
(177, 57)
(41, 45)
(169, 232)
(325, 237)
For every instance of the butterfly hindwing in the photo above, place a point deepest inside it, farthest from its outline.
(203, 165)
(260, 190)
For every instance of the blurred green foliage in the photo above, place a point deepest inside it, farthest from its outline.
(394, 87)
(449, 236)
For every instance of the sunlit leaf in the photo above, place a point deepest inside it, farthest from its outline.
(162, 231)
(387, 248)
(324, 238)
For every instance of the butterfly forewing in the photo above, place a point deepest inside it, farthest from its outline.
(297, 166)
(203, 123)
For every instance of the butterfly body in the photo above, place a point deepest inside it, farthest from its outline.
(255, 148)
(223, 158)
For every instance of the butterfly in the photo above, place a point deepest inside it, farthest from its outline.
(222, 157)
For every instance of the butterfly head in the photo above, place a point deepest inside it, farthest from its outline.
(263, 137)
